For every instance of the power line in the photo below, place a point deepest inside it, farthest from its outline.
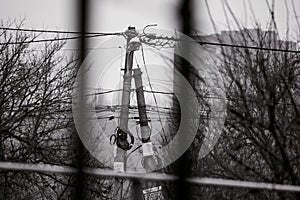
(74, 49)
(96, 34)
(119, 90)
(223, 44)
(143, 55)
(54, 31)
(248, 47)
(234, 99)
(53, 39)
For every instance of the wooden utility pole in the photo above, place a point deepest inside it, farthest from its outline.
(149, 163)
(145, 131)
(141, 105)
(120, 157)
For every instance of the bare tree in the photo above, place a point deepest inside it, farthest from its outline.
(35, 113)
(260, 141)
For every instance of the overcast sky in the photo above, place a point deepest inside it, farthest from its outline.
(116, 15)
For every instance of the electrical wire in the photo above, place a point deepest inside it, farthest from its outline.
(171, 93)
(144, 61)
(146, 41)
(53, 39)
(72, 49)
(54, 31)
(153, 44)
(248, 47)
(132, 152)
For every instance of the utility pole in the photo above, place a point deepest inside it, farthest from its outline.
(141, 105)
(149, 162)
(120, 156)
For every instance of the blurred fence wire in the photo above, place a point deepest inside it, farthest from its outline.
(46, 168)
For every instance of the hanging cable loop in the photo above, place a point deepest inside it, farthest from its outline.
(120, 138)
